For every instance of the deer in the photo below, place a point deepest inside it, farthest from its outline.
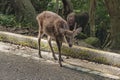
(81, 20)
(55, 27)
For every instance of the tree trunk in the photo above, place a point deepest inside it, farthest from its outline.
(68, 7)
(113, 7)
(24, 11)
(92, 17)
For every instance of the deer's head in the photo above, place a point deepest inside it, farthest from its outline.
(69, 35)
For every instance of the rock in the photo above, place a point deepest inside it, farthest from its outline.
(93, 41)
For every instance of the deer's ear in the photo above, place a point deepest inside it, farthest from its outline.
(77, 31)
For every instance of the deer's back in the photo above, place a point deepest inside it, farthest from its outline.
(51, 22)
(48, 16)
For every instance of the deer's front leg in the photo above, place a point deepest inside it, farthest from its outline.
(59, 44)
(49, 41)
(39, 43)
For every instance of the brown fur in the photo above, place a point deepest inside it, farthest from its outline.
(80, 18)
(55, 27)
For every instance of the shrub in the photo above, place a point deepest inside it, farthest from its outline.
(93, 41)
(7, 20)
(81, 36)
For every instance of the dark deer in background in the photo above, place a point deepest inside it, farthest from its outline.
(55, 27)
(80, 18)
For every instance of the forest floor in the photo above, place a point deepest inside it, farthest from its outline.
(23, 31)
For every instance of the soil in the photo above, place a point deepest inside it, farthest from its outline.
(23, 31)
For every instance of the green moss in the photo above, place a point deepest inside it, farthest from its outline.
(76, 54)
(93, 41)
(83, 55)
(23, 43)
(81, 36)
(100, 60)
(44, 46)
(34, 44)
(12, 39)
(3, 38)
(31, 43)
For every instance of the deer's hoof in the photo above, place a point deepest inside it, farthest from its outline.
(60, 64)
(55, 58)
(40, 56)
(62, 60)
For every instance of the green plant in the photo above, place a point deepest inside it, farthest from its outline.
(80, 5)
(93, 41)
(81, 36)
(40, 5)
(52, 5)
(10, 21)
(7, 20)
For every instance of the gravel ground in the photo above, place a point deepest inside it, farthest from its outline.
(15, 65)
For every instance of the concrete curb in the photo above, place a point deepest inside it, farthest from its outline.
(76, 51)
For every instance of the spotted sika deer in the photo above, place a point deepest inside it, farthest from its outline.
(55, 27)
